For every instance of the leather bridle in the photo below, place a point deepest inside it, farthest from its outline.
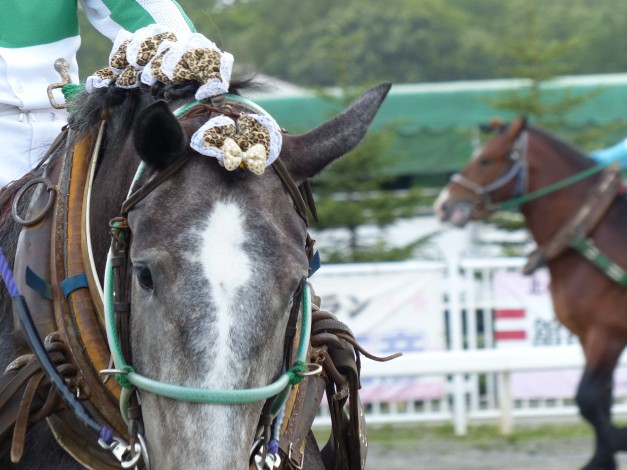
(517, 171)
(276, 393)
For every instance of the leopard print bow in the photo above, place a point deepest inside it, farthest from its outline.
(253, 142)
(194, 58)
(154, 54)
(130, 54)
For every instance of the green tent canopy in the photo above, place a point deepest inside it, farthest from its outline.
(435, 124)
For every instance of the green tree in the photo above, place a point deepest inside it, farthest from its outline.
(354, 192)
(403, 41)
(533, 51)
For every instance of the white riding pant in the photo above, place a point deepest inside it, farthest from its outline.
(25, 136)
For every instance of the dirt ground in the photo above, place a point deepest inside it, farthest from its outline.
(544, 447)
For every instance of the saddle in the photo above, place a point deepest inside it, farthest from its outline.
(60, 300)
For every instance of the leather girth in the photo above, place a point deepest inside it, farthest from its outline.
(582, 223)
(55, 249)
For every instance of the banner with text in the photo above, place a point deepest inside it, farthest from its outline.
(388, 310)
(524, 317)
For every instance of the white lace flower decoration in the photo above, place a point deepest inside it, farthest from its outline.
(252, 141)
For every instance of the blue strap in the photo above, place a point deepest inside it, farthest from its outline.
(38, 284)
(70, 284)
(314, 264)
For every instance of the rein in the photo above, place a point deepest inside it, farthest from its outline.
(129, 378)
(517, 201)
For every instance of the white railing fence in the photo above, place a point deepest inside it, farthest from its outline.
(476, 375)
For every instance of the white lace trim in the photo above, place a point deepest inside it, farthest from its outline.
(93, 82)
(216, 86)
(276, 137)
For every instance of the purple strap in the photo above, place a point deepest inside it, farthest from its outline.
(7, 276)
(106, 435)
(273, 447)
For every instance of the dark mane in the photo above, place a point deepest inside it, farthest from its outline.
(579, 159)
(88, 108)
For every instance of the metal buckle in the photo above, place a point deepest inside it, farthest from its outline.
(312, 369)
(62, 67)
(127, 455)
(52, 192)
(297, 465)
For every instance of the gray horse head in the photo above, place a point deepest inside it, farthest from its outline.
(217, 257)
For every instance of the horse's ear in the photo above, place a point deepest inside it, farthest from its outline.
(518, 125)
(158, 136)
(307, 154)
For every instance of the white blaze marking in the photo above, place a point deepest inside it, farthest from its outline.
(437, 206)
(227, 267)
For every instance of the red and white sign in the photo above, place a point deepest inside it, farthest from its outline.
(523, 311)
(524, 317)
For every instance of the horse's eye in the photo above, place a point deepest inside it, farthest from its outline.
(485, 162)
(144, 277)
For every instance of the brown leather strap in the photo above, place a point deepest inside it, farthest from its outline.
(88, 348)
(335, 343)
(22, 418)
(88, 328)
(583, 222)
(292, 189)
(298, 422)
(20, 404)
(144, 190)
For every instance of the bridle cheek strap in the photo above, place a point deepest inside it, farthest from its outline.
(517, 171)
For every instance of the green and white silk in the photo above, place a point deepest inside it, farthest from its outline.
(34, 33)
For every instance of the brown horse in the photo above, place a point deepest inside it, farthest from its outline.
(577, 216)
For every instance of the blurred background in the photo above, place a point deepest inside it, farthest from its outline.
(400, 279)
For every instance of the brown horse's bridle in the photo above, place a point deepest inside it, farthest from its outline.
(517, 171)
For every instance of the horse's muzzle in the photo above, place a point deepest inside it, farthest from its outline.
(457, 214)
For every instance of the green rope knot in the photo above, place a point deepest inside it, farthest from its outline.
(71, 90)
(295, 374)
(69, 93)
(123, 378)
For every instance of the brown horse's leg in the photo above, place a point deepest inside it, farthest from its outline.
(594, 397)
